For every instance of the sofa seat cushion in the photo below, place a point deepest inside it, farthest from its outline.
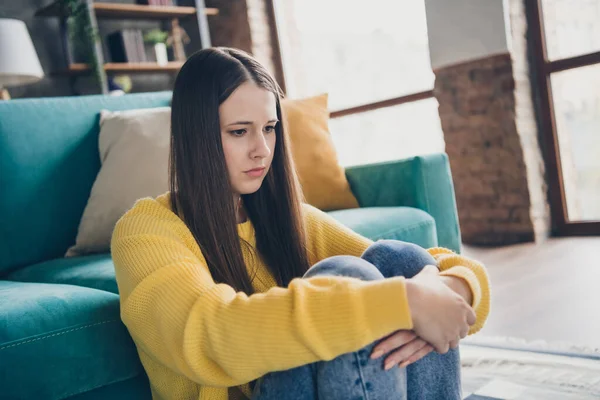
(137, 388)
(400, 223)
(95, 271)
(60, 340)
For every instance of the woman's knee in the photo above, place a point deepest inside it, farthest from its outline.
(348, 266)
(394, 258)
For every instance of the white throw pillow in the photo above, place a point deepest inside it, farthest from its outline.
(134, 152)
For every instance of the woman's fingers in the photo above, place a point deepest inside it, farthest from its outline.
(392, 342)
(417, 356)
(404, 353)
(471, 317)
(464, 332)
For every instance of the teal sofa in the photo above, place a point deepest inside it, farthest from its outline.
(61, 336)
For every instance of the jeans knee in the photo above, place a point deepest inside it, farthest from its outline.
(394, 257)
(348, 266)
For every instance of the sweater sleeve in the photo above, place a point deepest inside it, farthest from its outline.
(216, 336)
(327, 237)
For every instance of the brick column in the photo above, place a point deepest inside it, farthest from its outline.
(245, 24)
(491, 137)
(230, 28)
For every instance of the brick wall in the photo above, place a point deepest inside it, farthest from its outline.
(230, 28)
(260, 29)
(491, 139)
(245, 24)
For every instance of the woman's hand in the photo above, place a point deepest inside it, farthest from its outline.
(404, 347)
(440, 316)
(459, 286)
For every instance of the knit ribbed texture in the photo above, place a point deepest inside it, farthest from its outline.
(474, 273)
(196, 338)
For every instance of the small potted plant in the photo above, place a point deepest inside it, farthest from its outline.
(158, 39)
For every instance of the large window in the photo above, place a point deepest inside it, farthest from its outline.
(372, 57)
(567, 48)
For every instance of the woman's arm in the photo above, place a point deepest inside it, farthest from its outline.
(327, 237)
(216, 336)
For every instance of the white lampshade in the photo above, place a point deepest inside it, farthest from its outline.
(19, 63)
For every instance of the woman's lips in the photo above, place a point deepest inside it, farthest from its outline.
(255, 172)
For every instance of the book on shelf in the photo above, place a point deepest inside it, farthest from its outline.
(139, 46)
(126, 45)
(115, 44)
(130, 45)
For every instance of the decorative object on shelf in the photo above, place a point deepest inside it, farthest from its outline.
(177, 38)
(124, 81)
(158, 39)
(84, 35)
(119, 85)
(19, 63)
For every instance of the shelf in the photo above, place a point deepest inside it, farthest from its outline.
(125, 68)
(172, 66)
(128, 11)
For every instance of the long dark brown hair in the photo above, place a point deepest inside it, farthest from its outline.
(201, 193)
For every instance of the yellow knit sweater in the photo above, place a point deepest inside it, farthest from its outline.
(200, 340)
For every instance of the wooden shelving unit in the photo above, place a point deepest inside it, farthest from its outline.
(121, 11)
(124, 68)
(128, 11)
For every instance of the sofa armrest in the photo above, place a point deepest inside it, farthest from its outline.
(423, 182)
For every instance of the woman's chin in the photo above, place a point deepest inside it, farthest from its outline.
(250, 188)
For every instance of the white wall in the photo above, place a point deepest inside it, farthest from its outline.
(464, 30)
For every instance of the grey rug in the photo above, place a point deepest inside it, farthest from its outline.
(509, 368)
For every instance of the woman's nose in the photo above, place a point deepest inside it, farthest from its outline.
(260, 146)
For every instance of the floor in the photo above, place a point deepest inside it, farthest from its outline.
(489, 373)
(548, 291)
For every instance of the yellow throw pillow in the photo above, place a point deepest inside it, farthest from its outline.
(323, 180)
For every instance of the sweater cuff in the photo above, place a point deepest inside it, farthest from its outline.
(470, 278)
(476, 278)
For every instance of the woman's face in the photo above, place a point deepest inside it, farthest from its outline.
(248, 118)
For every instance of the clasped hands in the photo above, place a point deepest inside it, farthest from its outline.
(441, 313)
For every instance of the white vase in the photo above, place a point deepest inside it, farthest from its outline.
(160, 49)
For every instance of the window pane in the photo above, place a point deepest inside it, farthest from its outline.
(357, 51)
(388, 134)
(572, 27)
(576, 94)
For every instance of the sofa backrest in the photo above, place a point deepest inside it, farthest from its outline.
(49, 160)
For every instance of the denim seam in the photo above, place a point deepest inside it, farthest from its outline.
(410, 228)
(360, 374)
(57, 334)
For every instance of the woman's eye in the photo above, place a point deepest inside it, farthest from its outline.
(270, 128)
(238, 132)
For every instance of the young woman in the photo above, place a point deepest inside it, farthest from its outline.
(231, 287)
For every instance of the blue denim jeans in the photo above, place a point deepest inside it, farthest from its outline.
(355, 376)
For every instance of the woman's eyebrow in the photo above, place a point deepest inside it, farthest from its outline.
(241, 123)
(250, 122)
